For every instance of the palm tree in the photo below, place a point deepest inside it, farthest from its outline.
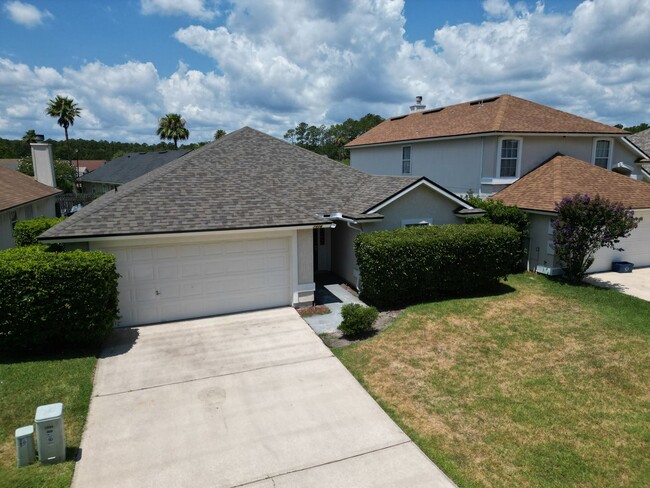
(172, 127)
(65, 110)
(29, 137)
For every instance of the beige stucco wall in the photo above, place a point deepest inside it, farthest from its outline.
(42, 208)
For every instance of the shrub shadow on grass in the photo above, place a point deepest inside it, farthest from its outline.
(495, 290)
(15, 357)
(119, 342)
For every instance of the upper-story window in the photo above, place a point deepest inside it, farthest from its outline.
(602, 152)
(406, 160)
(509, 157)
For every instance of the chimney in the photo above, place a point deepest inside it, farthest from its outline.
(418, 105)
(43, 162)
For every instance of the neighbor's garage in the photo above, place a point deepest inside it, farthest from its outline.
(636, 247)
(174, 281)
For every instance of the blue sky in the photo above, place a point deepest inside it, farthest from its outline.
(272, 64)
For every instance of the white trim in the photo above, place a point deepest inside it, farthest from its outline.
(498, 181)
(520, 149)
(406, 142)
(609, 155)
(185, 235)
(415, 185)
(410, 159)
(293, 267)
(632, 146)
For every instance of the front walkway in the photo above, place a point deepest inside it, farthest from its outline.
(333, 296)
(636, 283)
(253, 399)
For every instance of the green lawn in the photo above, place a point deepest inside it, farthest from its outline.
(544, 385)
(26, 385)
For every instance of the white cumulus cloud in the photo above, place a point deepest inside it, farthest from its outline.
(26, 14)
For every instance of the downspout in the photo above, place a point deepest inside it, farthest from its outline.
(480, 186)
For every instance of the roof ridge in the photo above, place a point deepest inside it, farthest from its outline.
(502, 102)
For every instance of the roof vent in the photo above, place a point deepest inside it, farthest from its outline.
(418, 105)
(399, 117)
(162, 152)
(484, 100)
(142, 152)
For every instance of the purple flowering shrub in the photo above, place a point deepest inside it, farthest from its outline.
(584, 225)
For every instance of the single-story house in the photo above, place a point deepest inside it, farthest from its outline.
(121, 170)
(537, 192)
(22, 197)
(244, 223)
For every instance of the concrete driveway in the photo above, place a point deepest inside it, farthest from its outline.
(636, 283)
(251, 400)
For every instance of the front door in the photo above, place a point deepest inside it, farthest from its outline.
(322, 251)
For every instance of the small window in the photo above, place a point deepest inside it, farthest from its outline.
(416, 222)
(509, 158)
(406, 160)
(602, 152)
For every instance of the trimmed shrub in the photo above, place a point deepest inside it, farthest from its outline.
(26, 231)
(416, 264)
(56, 301)
(357, 319)
(499, 213)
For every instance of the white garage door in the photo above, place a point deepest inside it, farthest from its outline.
(636, 248)
(173, 282)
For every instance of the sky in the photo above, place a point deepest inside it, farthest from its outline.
(271, 64)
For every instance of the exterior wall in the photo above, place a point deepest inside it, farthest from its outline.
(420, 204)
(454, 164)
(471, 163)
(636, 247)
(540, 254)
(41, 208)
(305, 263)
(99, 188)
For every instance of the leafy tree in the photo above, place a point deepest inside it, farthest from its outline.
(172, 128)
(28, 138)
(219, 134)
(65, 110)
(330, 141)
(584, 225)
(633, 129)
(64, 172)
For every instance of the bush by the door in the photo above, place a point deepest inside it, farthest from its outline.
(416, 264)
(52, 301)
(357, 319)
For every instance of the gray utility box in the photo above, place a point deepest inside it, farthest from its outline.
(50, 433)
(25, 446)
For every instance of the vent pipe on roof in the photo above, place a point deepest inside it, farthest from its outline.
(418, 105)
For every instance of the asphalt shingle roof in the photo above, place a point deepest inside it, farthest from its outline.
(18, 189)
(246, 179)
(501, 114)
(641, 140)
(131, 166)
(564, 176)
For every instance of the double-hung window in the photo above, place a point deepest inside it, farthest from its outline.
(509, 158)
(406, 160)
(602, 152)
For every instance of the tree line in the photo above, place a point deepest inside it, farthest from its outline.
(330, 141)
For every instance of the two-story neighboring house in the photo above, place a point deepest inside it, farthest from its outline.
(484, 145)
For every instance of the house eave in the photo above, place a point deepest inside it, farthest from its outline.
(30, 201)
(488, 134)
(182, 234)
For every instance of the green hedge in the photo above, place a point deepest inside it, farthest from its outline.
(51, 301)
(26, 231)
(416, 264)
